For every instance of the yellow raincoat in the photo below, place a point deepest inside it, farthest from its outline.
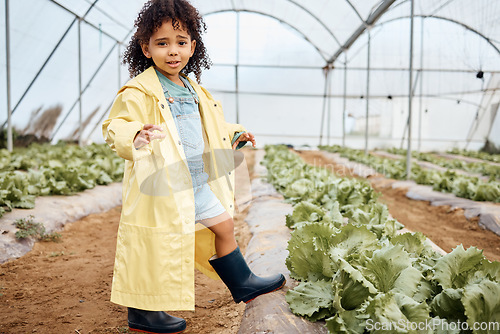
(155, 253)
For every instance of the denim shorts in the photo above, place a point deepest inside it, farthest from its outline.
(206, 204)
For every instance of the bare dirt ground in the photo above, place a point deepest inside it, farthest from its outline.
(446, 228)
(65, 287)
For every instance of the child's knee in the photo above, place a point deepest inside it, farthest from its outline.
(225, 228)
(229, 226)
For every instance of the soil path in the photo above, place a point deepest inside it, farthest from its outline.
(65, 287)
(447, 228)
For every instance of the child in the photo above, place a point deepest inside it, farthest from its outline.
(178, 171)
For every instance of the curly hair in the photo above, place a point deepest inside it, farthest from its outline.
(150, 18)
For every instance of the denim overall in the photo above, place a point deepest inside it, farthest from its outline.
(188, 122)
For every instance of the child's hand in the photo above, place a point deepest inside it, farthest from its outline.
(247, 136)
(147, 134)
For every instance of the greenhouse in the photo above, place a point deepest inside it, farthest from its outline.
(370, 178)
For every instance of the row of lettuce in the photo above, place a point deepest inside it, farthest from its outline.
(448, 181)
(484, 168)
(476, 154)
(360, 275)
(62, 169)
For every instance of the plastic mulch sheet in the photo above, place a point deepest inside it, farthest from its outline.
(266, 253)
(54, 212)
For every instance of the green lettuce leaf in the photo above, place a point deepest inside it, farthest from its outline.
(395, 313)
(309, 299)
(425, 291)
(351, 288)
(304, 212)
(491, 269)
(390, 269)
(347, 322)
(482, 306)
(351, 242)
(443, 326)
(447, 304)
(308, 247)
(415, 244)
(487, 192)
(298, 189)
(456, 269)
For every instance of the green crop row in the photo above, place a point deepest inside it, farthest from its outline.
(61, 169)
(449, 181)
(476, 154)
(483, 168)
(360, 276)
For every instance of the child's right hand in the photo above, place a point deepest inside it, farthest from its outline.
(147, 134)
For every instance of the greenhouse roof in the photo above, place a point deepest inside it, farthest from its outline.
(456, 42)
(328, 25)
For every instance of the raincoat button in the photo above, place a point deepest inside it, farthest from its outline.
(224, 138)
(162, 106)
(215, 104)
(230, 205)
(188, 260)
(229, 173)
(179, 142)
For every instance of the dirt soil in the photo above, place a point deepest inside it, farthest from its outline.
(446, 228)
(65, 287)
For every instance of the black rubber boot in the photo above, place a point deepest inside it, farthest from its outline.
(243, 284)
(154, 322)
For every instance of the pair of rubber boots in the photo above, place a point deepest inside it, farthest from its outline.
(234, 272)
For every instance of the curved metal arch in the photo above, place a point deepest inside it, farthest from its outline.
(370, 21)
(309, 13)
(317, 19)
(273, 17)
(444, 19)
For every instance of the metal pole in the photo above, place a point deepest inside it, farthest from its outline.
(367, 88)
(404, 134)
(329, 106)
(80, 82)
(345, 100)
(410, 97)
(407, 124)
(421, 85)
(236, 68)
(10, 144)
(370, 21)
(326, 71)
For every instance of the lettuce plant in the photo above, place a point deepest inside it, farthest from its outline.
(359, 275)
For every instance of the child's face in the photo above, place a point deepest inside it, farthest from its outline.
(170, 50)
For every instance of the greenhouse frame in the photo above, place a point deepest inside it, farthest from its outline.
(369, 65)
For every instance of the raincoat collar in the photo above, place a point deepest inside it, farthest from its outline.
(148, 83)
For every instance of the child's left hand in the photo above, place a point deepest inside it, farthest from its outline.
(247, 136)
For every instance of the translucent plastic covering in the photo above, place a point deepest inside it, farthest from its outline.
(291, 71)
